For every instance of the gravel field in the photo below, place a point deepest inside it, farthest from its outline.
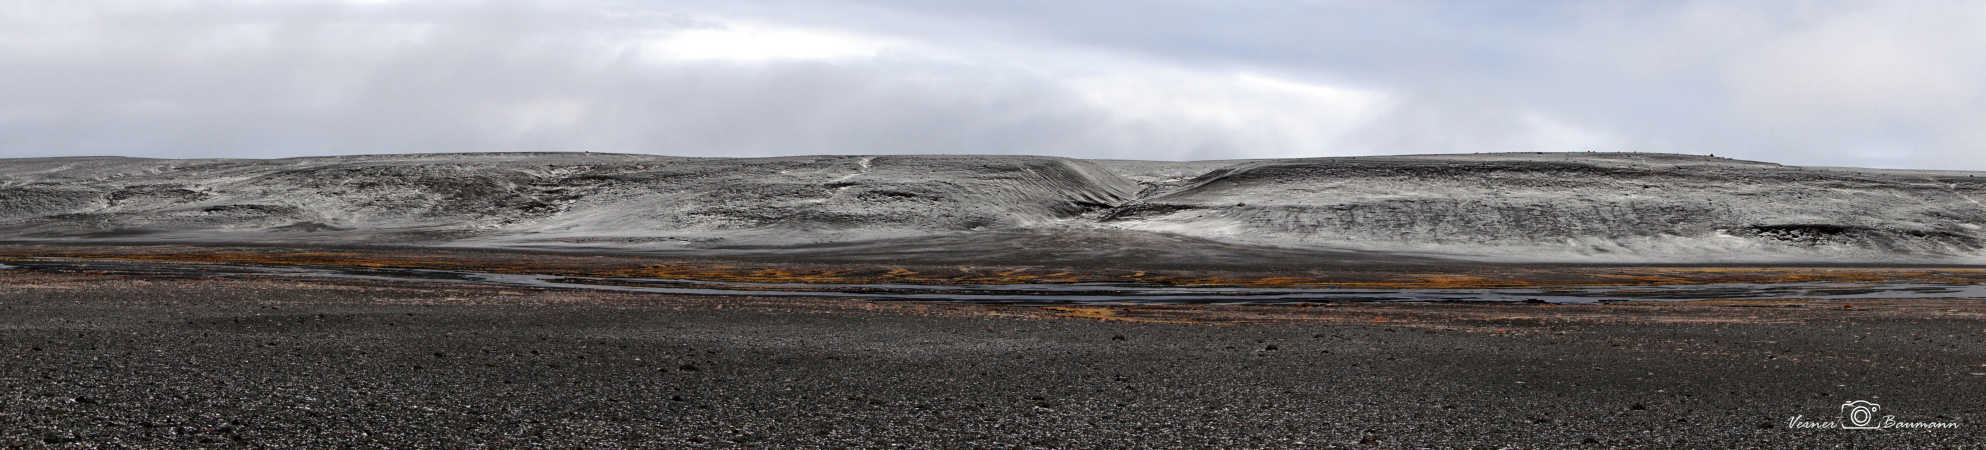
(177, 361)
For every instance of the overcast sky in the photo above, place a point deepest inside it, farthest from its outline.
(1880, 84)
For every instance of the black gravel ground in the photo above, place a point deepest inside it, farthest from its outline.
(163, 361)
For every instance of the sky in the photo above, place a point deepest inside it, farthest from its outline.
(1874, 84)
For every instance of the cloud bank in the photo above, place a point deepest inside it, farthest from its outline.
(1882, 84)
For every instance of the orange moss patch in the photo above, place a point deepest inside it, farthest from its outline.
(1158, 315)
(1084, 312)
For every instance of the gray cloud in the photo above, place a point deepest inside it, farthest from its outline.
(1874, 84)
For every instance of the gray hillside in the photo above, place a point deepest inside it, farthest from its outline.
(1563, 206)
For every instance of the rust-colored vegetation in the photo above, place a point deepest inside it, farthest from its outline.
(1461, 276)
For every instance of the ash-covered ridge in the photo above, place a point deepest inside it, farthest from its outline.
(1630, 207)
(1556, 206)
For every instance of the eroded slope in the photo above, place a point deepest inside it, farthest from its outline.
(547, 198)
(1562, 206)
(1577, 206)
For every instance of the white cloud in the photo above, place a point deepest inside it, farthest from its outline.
(1174, 113)
(1890, 84)
(742, 42)
(1865, 64)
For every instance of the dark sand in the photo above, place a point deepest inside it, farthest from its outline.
(175, 361)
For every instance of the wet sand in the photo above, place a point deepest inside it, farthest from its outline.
(172, 360)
